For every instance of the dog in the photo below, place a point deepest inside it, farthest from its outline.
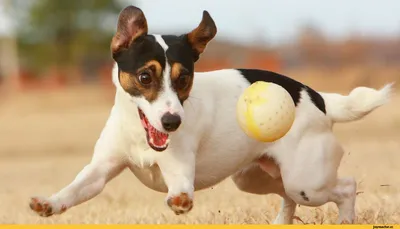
(176, 129)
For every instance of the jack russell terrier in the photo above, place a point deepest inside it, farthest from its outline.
(176, 129)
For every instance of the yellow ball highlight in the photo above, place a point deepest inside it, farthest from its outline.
(265, 111)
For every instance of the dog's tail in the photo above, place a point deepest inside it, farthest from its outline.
(360, 102)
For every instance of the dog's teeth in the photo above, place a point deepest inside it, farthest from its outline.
(167, 141)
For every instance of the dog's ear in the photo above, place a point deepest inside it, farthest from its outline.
(131, 24)
(200, 36)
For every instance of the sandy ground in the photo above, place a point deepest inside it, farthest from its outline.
(47, 138)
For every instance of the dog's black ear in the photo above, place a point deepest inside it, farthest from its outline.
(131, 24)
(200, 36)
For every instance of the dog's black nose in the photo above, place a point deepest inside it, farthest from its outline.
(170, 121)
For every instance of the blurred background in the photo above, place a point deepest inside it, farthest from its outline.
(57, 43)
(56, 93)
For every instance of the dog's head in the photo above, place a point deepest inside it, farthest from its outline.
(156, 71)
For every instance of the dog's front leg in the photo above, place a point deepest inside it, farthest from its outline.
(178, 170)
(107, 162)
(87, 184)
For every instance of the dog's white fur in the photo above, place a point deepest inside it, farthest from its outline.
(209, 146)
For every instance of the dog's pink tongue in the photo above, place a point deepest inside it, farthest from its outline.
(159, 139)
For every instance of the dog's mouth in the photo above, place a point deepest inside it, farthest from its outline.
(157, 140)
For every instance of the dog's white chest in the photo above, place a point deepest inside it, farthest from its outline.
(138, 151)
(150, 176)
(140, 154)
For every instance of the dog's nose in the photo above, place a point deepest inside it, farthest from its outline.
(170, 122)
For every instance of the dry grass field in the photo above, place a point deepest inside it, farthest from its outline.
(46, 138)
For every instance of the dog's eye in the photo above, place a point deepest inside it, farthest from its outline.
(182, 81)
(145, 78)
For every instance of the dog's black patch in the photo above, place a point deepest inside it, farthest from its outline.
(305, 197)
(144, 49)
(292, 86)
(317, 99)
(179, 51)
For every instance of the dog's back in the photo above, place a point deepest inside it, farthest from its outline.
(210, 116)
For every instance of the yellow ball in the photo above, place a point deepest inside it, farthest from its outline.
(265, 111)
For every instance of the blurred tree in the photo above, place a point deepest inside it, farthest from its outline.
(311, 44)
(66, 33)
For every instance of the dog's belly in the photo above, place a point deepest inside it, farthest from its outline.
(253, 179)
(152, 178)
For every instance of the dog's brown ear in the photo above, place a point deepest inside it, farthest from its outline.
(204, 33)
(131, 24)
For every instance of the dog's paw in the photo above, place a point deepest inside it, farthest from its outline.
(350, 221)
(180, 204)
(44, 207)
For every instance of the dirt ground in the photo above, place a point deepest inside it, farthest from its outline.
(47, 138)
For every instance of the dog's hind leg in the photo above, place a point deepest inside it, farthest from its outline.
(253, 179)
(286, 213)
(344, 195)
(310, 175)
